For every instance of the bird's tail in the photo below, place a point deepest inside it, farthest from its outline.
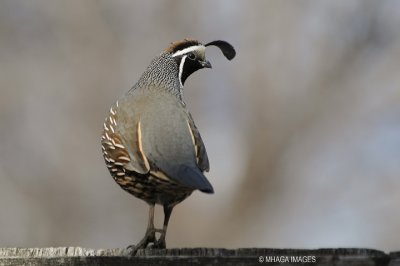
(192, 177)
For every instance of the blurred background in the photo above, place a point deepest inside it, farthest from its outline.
(302, 128)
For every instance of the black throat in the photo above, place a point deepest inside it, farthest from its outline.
(189, 67)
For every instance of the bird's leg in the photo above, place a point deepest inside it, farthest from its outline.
(149, 237)
(167, 214)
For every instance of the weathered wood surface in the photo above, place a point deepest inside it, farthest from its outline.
(196, 256)
(394, 258)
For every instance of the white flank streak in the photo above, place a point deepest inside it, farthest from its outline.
(181, 69)
(105, 127)
(117, 103)
(112, 129)
(139, 135)
(189, 49)
(160, 175)
(193, 141)
(119, 146)
(118, 163)
(112, 111)
(124, 158)
(120, 174)
(107, 136)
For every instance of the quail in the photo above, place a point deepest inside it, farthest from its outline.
(150, 144)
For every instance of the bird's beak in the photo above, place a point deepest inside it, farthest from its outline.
(205, 64)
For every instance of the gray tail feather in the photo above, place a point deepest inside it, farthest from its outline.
(192, 177)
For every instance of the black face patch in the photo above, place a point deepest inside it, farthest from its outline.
(190, 65)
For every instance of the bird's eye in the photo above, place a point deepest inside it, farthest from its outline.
(191, 56)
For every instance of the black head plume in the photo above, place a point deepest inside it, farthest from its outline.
(226, 48)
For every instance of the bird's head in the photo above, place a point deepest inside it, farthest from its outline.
(190, 55)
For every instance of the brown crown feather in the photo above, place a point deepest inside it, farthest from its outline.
(179, 45)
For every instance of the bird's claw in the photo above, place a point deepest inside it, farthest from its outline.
(159, 244)
(149, 241)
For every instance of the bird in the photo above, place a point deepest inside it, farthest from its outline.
(150, 143)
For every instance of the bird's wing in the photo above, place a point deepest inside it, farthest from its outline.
(169, 142)
(200, 149)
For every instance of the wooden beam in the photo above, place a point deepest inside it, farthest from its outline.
(197, 256)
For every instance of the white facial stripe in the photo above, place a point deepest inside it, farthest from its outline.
(181, 69)
(189, 49)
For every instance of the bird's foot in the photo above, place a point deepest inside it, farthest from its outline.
(148, 241)
(149, 237)
(160, 243)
